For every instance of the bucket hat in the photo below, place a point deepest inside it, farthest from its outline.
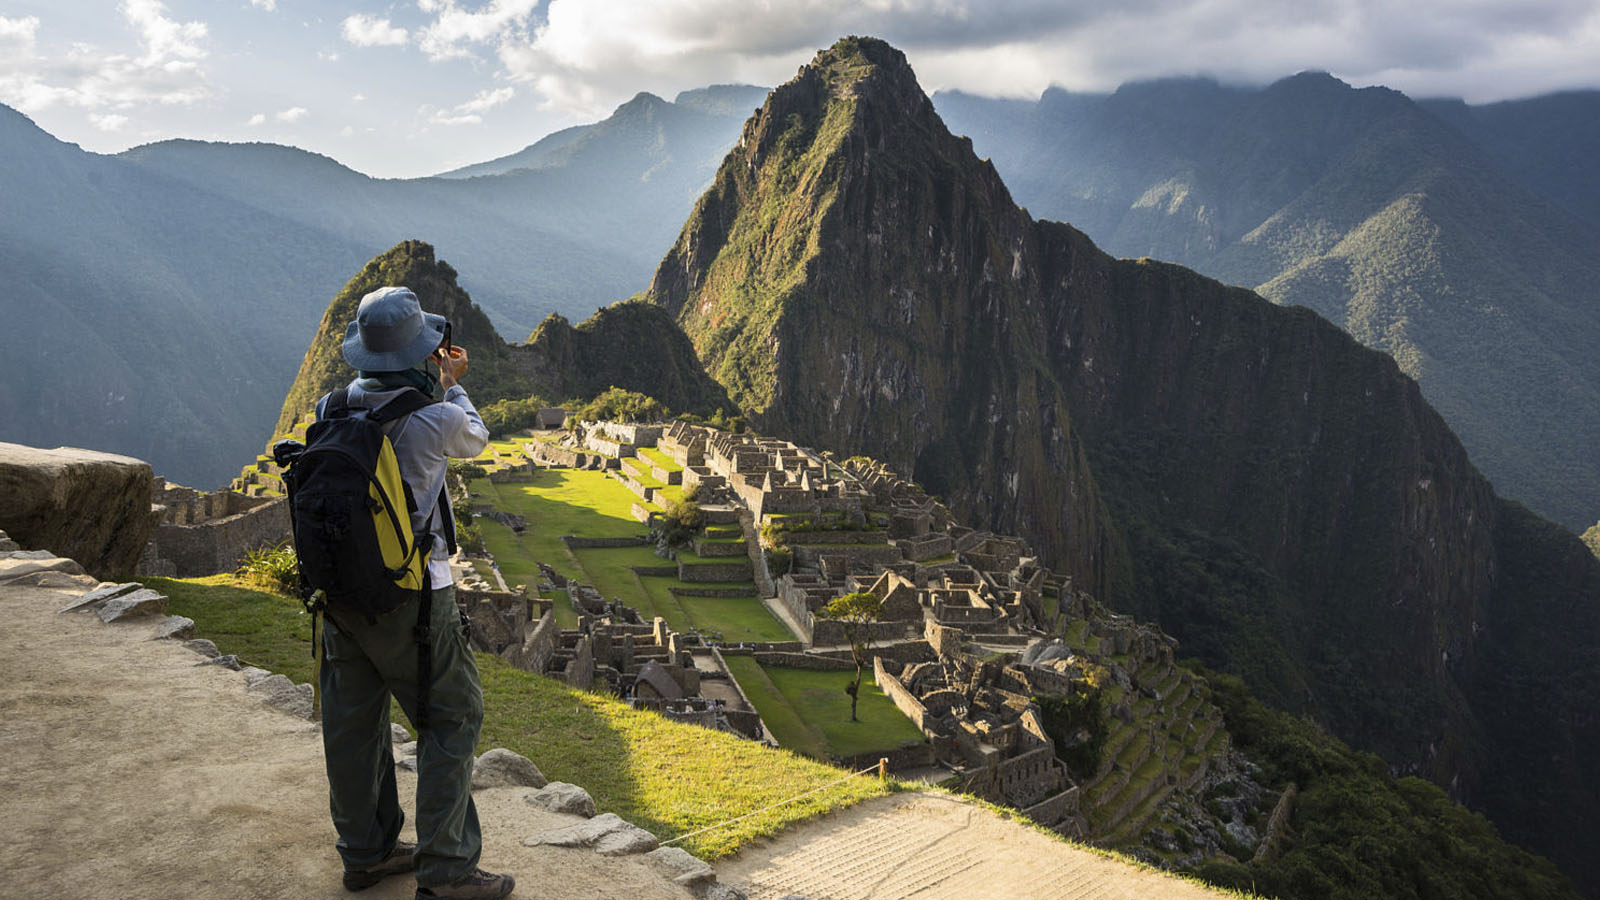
(391, 332)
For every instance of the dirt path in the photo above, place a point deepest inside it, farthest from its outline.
(128, 771)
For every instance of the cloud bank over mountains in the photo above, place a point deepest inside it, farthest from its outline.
(499, 73)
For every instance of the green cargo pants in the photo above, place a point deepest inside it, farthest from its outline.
(364, 663)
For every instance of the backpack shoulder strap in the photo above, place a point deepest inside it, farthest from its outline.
(336, 404)
(402, 404)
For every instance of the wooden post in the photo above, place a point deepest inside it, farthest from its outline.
(883, 768)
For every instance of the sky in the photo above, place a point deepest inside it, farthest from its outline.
(405, 89)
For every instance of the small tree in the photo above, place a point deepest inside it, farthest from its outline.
(856, 612)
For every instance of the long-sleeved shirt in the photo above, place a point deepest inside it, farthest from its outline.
(423, 441)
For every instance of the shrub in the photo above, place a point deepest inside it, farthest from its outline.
(273, 567)
(618, 405)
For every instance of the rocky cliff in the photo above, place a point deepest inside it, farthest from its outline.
(631, 345)
(1280, 498)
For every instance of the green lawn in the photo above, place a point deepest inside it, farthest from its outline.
(664, 776)
(575, 502)
(812, 709)
(781, 718)
(663, 461)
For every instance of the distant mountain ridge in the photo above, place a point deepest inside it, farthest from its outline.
(1443, 247)
(1280, 498)
(188, 275)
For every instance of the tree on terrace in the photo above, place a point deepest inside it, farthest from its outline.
(856, 612)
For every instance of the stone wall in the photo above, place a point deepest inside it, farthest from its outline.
(902, 698)
(221, 545)
(703, 572)
(810, 661)
(830, 632)
(585, 543)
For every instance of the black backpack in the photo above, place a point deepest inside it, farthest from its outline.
(350, 513)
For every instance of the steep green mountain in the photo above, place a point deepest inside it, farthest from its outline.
(187, 275)
(630, 345)
(1371, 210)
(1280, 498)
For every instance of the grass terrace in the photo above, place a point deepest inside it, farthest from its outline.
(809, 712)
(667, 777)
(561, 502)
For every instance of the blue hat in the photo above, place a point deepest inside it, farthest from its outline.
(391, 332)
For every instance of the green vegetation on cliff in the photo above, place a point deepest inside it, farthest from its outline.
(1356, 832)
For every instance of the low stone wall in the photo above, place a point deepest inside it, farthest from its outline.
(1054, 809)
(829, 632)
(557, 455)
(704, 572)
(911, 756)
(805, 661)
(880, 555)
(664, 570)
(702, 476)
(519, 475)
(707, 549)
(834, 537)
(704, 592)
(585, 543)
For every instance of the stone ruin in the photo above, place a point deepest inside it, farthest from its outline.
(207, 533)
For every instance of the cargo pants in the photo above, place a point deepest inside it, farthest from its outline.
(364, 663)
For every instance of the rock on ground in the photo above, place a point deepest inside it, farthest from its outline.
(503, 768)
(89, 506)
(561, 797)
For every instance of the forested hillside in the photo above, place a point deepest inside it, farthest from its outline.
(1450, 251)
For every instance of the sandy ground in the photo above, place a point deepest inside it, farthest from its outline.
(130, 772)
(933, 847)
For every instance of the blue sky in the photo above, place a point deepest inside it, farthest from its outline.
(411, 88)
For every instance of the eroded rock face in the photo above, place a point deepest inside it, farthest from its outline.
(92, 507)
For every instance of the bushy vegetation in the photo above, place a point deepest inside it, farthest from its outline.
(503, 417)
(1357, 832)
(617, 405)
(1591, 537)
(1077, 724)
(274, 567)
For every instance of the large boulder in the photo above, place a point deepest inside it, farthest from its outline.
(92, 507)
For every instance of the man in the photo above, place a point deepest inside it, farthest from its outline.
(367, 659)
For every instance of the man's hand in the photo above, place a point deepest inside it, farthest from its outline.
(451, 366)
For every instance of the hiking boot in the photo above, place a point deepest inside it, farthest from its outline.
(480, 885)
(401, 859)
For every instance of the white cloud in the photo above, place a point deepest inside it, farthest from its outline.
(328, 55)
(257, 119)
(292, 114)
(167, 70)
(370, 31)
(22, 30)
(357, 98)
(268, 5)
(584, 57)
(470, 112)
(346, 131)
(455, 30)
(108, 122)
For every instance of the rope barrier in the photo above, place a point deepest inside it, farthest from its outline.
(877, 768)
